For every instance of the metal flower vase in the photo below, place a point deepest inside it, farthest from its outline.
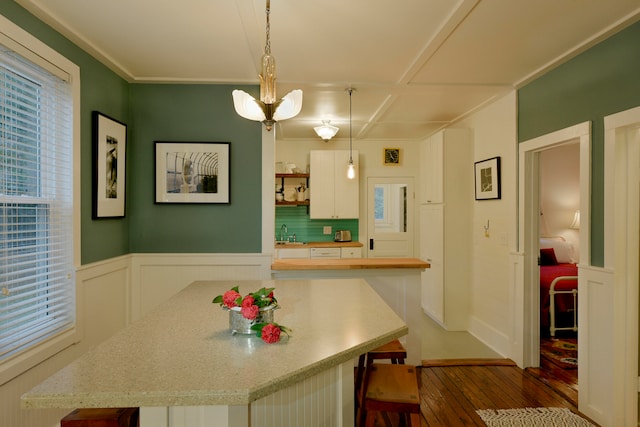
(238, 324)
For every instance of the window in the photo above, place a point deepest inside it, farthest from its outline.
(37, 298)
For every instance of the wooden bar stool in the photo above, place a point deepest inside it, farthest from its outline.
(390, 388)
(393, 351)
(102, 417)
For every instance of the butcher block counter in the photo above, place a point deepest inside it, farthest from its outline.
(348, 264)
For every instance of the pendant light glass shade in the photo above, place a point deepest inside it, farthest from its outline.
(268, 109)
(326, 131)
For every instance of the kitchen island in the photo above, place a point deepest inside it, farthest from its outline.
(181, 365)
(396, 280)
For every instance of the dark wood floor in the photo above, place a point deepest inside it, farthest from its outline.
(451, 392)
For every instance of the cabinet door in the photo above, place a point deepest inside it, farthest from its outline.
(431, 250)
(433, 160)
(346, 192)
(333, 195)
(350, 252)
(321, 184)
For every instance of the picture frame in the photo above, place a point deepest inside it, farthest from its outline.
(109, 166)
(487, 179)
(391, 156)
(192, 172)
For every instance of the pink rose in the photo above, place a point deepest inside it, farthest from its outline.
(229, 298)
(270, 333)
(250, 312)
(248, 301)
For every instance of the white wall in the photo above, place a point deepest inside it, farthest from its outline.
(560, 192)
(491, 304)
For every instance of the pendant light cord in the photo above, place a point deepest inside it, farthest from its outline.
(267, 44)
(350, 126)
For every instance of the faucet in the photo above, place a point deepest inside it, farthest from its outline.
(283, 233)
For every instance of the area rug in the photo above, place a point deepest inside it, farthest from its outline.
(561, 352)
(543, 417)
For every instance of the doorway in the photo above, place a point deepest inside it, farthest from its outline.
(559, 190)
(390, 217)
(531, 227)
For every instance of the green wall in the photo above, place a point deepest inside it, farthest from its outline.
(193, 113)
(311, 230)
(101, 90)
(601, 81)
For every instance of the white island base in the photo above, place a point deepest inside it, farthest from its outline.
(322, 400)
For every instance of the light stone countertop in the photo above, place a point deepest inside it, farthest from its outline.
(182, 353)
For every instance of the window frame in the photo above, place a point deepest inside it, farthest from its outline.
(39, 53)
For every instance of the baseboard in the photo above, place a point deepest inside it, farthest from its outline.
(430, 363)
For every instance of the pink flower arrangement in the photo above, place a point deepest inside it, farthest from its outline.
(250, 306)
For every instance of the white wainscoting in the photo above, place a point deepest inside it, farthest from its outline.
(157, 277)
(324, 400)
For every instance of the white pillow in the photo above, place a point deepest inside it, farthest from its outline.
(562, 249)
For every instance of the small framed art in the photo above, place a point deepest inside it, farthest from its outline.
(391, 156)
(109, 160)
(192, 172)
(487, 177)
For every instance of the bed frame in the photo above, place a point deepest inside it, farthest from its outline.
(552, 306)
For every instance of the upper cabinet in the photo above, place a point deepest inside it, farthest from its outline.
(334, 196)
(446, 165)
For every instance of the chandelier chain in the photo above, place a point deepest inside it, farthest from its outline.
(267, 45)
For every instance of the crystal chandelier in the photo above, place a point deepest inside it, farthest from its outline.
(268, 109)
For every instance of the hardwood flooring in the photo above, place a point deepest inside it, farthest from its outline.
(452, 390)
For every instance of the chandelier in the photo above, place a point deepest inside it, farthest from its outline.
(268, 109)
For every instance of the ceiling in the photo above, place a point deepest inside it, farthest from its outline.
(416, 65)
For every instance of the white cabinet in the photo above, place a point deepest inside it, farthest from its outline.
(333, 195)
(332, 253)
(432, 156)
(445, 224)
(350, 252)
(292, 253)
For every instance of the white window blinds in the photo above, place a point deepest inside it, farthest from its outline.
(37, 299)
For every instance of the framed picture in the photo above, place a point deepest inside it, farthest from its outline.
(391, 156)
(109, 160)
(192, 172)
(487, 179)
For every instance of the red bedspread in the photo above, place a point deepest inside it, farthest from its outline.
(563, 301)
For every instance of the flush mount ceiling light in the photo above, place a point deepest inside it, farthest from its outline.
(326, 131)
(268, 109)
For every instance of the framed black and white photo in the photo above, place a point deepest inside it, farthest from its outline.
(110, 156)
(192, 172)
(487, 174)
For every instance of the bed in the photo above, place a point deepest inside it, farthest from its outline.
(558, 284)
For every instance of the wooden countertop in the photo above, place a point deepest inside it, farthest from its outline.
(183, 354)
(319, 245)
(348, 263)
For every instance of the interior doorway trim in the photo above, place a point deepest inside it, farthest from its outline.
(622, 252)
(528, 313)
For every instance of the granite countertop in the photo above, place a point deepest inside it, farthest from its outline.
(348, 263)
(182, 353)
(319, 245)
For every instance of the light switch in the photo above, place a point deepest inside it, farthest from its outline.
(326, 229)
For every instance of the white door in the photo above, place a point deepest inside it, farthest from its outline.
(432, 250)
(390, 217)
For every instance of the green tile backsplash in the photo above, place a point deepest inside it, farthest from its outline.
(297, 220)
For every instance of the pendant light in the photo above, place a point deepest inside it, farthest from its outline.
(351, 172)
(268, 109)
